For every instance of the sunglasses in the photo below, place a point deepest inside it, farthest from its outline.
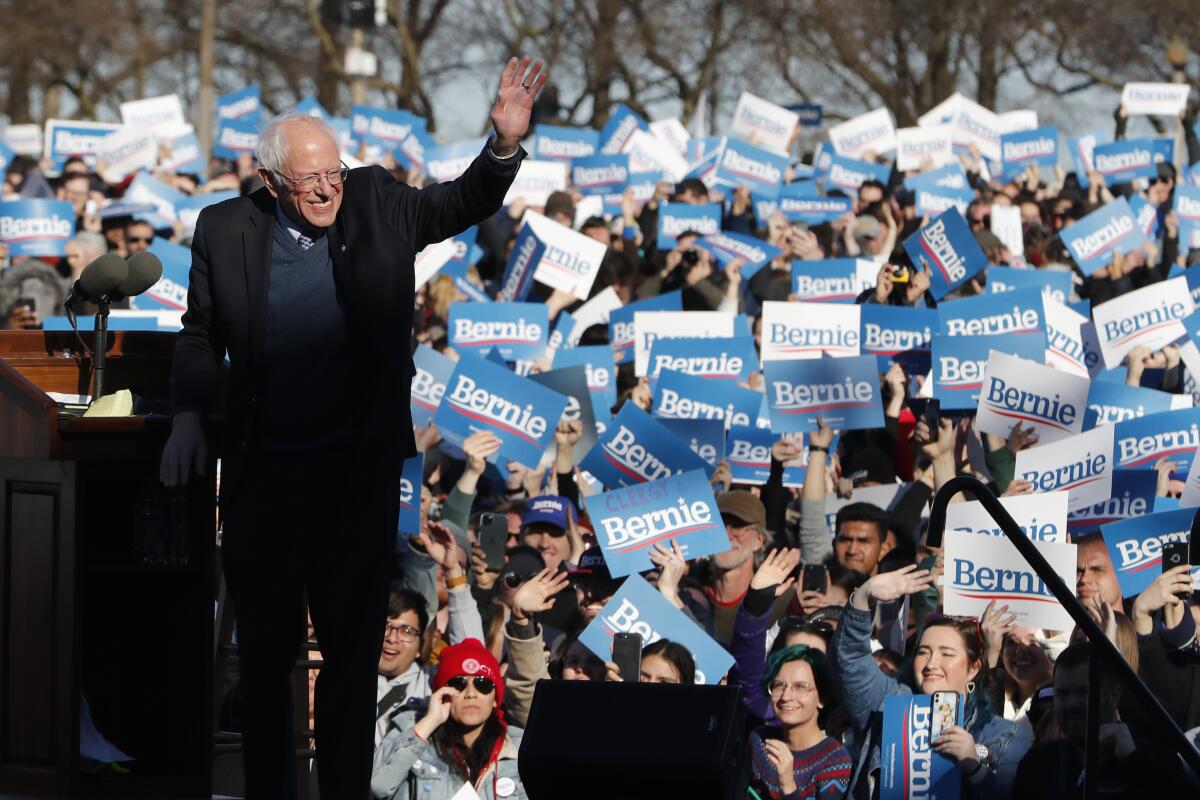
(139, 239)
(482, 685)
(937, 618)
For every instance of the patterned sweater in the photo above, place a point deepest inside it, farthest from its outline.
(821, 771)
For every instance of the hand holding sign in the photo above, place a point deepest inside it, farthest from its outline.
(514, 102)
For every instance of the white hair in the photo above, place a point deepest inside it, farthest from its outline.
(272, 149)
(94, 243)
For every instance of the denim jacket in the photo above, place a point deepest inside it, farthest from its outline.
(409, 768)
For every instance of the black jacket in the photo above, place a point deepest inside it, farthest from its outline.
(380, 226)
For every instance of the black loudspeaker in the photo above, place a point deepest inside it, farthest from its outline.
(588, 740)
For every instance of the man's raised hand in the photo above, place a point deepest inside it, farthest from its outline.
(519, 86)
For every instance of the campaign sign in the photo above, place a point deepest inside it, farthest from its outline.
(910, 769)
(638, 607)
(600, 175)
(1187, 208)
(25, 140)
(623, 121)
(571, 383)
(1165, 99)
(433, 371)
(536, 180)
(842, 391)
(448, 161)
(1133, 493)
(1071, 342)
(36, 227)
(1028, 393)
(526, 254)
(800, 203)
(1141, 441)
(848, 174)
(481, 395)
(915, 145)
(236, 137)
(1109, 402)
(872, 132)
(1055, 284)
(1081, 154)
(705, 438)
(1146, 215)
(975, 125)
(557, 143)
(1020, 149)
(242, 103)
(809, 330)
(412, 480)
(1123, 160)
(569, 260)
(635, 448)
(743, 164)
(832, 280)
(675, 219)
(731, 359)
(1041, 517)
(672, 132)
(67, 137)
(681, 396)
(649, 326)
(951, 176)
(188, 209)
(620, 321)
(1148, 317)
(165, 198)
(809, 113)
(1017, 312)
(932, 202)
(947, 247)
(1135, 546)
(182, 154)
(959, 363)
(520, 330)
(1081, 465)
(124, 152)
(171, 290)
(726, 247)
(162, 116)
(309, 105)
(762, 123)
(748, 451)
(985, 569)
(649, 153)
(889, 331)
(6, 156)
(601, 372)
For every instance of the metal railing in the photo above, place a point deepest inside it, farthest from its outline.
(1101, 645)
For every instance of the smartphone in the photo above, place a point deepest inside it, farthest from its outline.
(493, 538)
(25, 302)
(813, 578)
(1175, 554)
(627, 655)
(947, 709)
(927, 409)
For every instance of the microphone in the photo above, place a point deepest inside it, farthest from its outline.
(99, 278)
(145, 270)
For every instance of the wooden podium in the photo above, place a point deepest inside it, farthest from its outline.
(106, 579)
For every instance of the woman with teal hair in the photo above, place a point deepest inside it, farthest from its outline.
(794, 758)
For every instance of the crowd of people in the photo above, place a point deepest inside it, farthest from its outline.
(466, 644)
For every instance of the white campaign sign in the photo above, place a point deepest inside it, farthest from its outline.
(1006, 224)
(649, 153)
(794, 331)
(914, 145)
(651, 325)
(976, 125)
(673, 133)
(25, 140)
(1018, 391)
(1081, 465)
(942, 113)
(982, 569)
(1023, 119)
(162, 116)
(570, 261)
(872, 132)
(124, 152)
(432, 259)
(1147, 317)
(536, 180)
(1166, 99)
(1071, 343)
(763, 124)
(1043, 517)
(594, 312)
(1191, 488)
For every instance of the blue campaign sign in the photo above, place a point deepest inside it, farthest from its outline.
(948, 248)
(642, 184)
(601, 371)
(931, 202)
(1141, 441)
(848, 174)
(243, 104)
(1055, 284)
(600, 175)
(638, 607)
(236, 137)
(678, 395)
(385, 129)
(704, 437)
(1020, 149)
(809, 113)
(731, 359)
(184, 156)
(1164, 149)
(558, 143)
(728, 246)
(1132, 496)
(65, 138)
(910, 767)
(1146, 215)
(679, 508)
(433, 371)
(457, 271)
(743, 164)
(309, 105)
(888, 331)
(622, 123)
(485, 396)
(832, 280)
(620, 321)
(1110, 402)
(810, 208)
(675, 219)
(446, 162)
(520, 330)
(842, 391)
(1124, 160)
(188, 208)
(526, 252)
(951, 176)
(1187, 208)
(959, 362)
(165, 198)
(748, 451)
(1135, 546)
(636, 448)
(1107, 230)
(170, 293)
(6, 156)
(1016, 312)
(412, 479)
(36, 227)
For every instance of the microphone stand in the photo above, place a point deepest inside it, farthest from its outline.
(99, 347)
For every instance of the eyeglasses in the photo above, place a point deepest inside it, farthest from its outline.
(482, 685)
(405, 633)
(307, 183)
(799, 688)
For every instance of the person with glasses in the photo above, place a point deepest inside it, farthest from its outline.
(463, 738)
(304, 291)
(138, 237)
(793, 757)
(402, 681)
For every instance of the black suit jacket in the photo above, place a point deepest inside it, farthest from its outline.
(380, 226)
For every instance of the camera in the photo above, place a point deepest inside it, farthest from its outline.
(691, 257)
(900, 273)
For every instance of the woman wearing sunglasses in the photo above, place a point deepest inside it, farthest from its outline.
(462, 738)
(949, 658)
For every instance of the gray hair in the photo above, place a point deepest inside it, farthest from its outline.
(93, 244)
(272, 149)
